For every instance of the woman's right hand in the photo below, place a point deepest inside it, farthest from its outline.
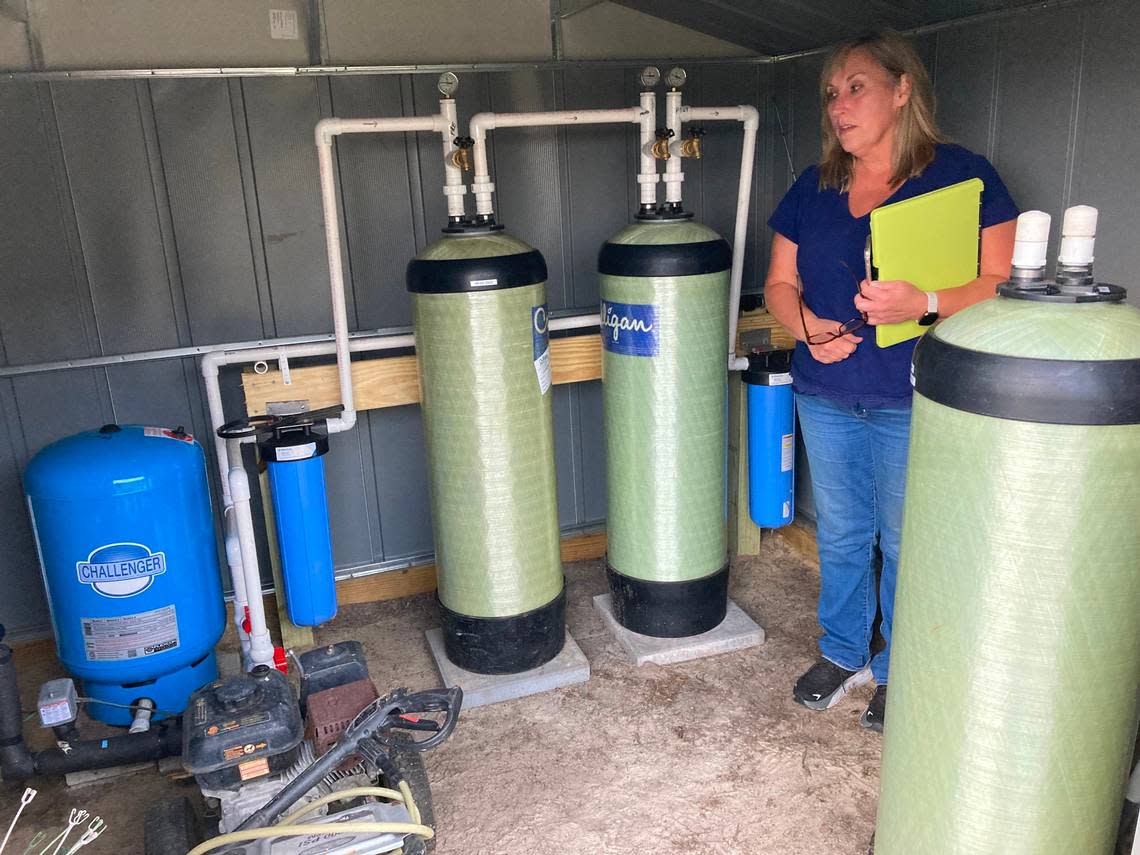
(835, 350)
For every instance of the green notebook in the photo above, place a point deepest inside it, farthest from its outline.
(930, 240)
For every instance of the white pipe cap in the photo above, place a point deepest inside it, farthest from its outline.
(1078, 235)
(1031, 242)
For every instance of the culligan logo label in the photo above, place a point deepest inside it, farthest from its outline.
(121, 569)
(540, 338)
(629, 328)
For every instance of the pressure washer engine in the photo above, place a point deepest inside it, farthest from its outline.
(256, 754)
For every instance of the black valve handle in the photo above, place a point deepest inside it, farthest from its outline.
(267, 424)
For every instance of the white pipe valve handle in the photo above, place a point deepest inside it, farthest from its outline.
(1031, 242)
(1078, 236)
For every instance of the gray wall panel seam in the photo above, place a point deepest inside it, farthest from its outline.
(561, 182)
(65, 202)
(32, 33)
(1075, 114)
(160, 197)
(413, 154)
(995, 96)
(577, 454)
(15, 423)
(258, 249)
(69, 220)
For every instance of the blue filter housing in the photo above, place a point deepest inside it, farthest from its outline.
(771, 438)
(293, 457)
(126, 541)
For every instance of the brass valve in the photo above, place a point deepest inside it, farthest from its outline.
(461, 157)
(691, 145)
(660, 149)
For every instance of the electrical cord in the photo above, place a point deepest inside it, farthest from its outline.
(288, 828)
(132, 707)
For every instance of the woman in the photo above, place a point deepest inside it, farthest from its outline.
(880, 145)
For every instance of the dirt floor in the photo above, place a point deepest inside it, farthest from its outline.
(709, 756)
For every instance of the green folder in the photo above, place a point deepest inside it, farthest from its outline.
(931, 241)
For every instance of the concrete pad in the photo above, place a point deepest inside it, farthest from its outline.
(565, 669)
(736, 632)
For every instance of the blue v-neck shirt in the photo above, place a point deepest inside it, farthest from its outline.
(828, 237)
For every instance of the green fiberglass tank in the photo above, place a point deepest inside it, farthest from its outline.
(664, 325)
(479, 309)
(1016, 651)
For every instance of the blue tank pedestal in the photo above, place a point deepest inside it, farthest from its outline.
(771, 438)
(126, 540)
(169, 692)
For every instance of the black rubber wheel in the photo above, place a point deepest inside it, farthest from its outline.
(411, 766)
(172, 826)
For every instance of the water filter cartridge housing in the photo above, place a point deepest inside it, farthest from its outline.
(294, 460)
(771, 438)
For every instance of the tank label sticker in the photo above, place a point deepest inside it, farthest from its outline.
(167, 433)
(787, 451)
(121, 569)
(483, 283)
(540, 337)
(126, 637)
(629, 328)
(296, 452)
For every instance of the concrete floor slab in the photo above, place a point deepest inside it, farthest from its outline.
(736, 632)
(565, 669)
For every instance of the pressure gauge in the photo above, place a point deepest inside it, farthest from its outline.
(676, 78)
(650, 76)
(447, 84)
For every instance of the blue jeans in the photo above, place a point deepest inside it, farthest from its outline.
(857, 458)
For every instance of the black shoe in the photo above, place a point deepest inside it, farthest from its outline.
(876, 712)
(825, 683)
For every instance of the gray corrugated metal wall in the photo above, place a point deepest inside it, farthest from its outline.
(147, 215)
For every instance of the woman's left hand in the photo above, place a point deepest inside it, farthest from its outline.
(890, 301)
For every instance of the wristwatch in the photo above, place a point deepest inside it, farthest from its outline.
(931, 309)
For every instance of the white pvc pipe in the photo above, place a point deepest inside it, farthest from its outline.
(482, 186)
(260, 644)
(575, 322)
(237, 576)
(453, 186)
(326, 131)
(647, 177)
(674, 177)
(209, 369)
(750, 118)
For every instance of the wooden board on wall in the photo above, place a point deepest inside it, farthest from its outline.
(393, 381)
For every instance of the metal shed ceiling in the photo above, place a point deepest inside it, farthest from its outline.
(775, 27)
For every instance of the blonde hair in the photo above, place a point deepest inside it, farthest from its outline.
(917, 132)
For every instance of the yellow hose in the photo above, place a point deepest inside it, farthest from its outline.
(286, 828)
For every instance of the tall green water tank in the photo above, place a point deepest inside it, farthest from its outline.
(1015, 661)
(664, 290)
(479, 309)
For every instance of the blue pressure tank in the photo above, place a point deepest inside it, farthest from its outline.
(293, 457)
(126, 540)
(771, 438)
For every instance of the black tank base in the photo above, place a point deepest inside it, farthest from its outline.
(669, 609)
(505, 645)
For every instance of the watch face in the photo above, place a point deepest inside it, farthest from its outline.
(927, 319)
